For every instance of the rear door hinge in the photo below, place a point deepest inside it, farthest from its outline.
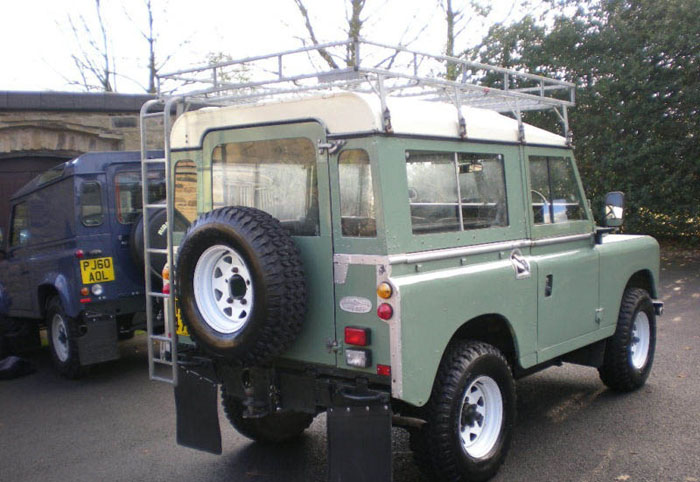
(599, 315)
(331, 146)
(333, 346)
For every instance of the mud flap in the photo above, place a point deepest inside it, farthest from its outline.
(197, 413)
(99, 343)
(359, 443)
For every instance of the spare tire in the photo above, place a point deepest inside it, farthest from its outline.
(157, 232)
(241, 285)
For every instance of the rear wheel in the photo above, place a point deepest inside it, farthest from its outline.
(470, 415)
(629, 353)
(273, 428)
(62, 333)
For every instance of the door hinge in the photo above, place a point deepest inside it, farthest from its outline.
(331, 147)
(599, 315)
(333, 346)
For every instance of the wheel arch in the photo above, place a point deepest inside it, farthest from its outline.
(491, 328)
(56, 285)
(643, 279)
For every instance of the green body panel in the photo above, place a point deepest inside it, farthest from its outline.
(361, 282)
(621, 256)
(436, 303)
(570, 309)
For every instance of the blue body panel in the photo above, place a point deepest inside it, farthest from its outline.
(46, 265)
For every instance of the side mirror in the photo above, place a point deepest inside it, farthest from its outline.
(614, 209)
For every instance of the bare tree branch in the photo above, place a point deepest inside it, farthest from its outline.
(312, 35)
(94, 61)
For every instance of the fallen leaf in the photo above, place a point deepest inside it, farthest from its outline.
(622, 477)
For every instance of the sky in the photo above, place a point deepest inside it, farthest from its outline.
(37, 39)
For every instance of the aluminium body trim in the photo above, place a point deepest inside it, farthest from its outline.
(438, 254)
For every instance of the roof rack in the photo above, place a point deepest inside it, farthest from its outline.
(364, 66)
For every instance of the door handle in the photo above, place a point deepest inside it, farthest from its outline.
(548, 285)
(521, 266)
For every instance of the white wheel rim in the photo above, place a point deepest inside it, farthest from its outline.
(481, 417)
(641, 335)
(59, 337)
(223, 289)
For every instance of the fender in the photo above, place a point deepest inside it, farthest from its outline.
(59, 283)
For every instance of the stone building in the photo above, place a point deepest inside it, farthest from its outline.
(39, 130)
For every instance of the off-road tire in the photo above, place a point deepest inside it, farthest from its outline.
(271, 429)
(67, 363)
(438, 448)
(278, 305)
(158, 238)
(618, 372)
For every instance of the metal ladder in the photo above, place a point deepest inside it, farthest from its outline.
(167, 342)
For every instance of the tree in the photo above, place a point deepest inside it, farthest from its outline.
(456, 23)
(152, 37)
(94, 60)
(636, 122)
(354, 21)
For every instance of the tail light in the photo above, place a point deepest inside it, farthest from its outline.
(385, 311)
(79, 253)
(357, 336)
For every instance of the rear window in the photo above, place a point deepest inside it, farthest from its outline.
(356, 195)
(91, 213)
(277, 176)
(185, 198)
(127, 191)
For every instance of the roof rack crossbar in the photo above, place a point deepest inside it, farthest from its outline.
(399, 72)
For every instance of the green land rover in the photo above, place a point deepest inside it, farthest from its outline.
(396, 254)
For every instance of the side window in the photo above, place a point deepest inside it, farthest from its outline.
(19, 230)
(356, 195)
(277, 176)
(185, 198)
(127, 189)
(455, 191)
(555, 194)
(91, 212)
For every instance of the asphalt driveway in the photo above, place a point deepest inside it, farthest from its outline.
(116, 425)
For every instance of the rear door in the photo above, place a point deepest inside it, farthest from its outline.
(125, 199)
(279, 169)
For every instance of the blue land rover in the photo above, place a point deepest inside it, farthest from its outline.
(72, 260)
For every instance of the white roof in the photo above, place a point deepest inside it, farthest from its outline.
(348, 113)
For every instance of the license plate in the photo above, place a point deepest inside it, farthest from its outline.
(96, 270)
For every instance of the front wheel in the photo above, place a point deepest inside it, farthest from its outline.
(470, 415)
(629, 353)
(62, 332)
